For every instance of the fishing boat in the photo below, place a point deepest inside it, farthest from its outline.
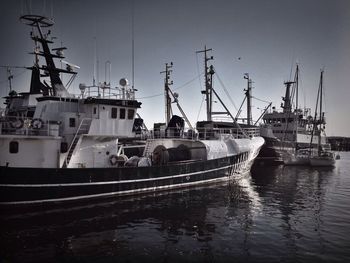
(92, 146)
(288, 133)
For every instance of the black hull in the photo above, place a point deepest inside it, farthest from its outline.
(272, 151)
(275, 152)
(33, 186)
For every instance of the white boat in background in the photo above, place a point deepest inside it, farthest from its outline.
(301, 157)
(323, 159)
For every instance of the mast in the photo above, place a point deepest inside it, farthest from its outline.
(287, 107)
(317, 122)
(95, 66)
(50, 69)
(174, 95)
(321, 114)
(210, 91)
(248, 94)
(208, 76)
(296, 80)
(296, 115)
(167, 83)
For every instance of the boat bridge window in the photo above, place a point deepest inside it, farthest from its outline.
(122, 113)
(30, 114)
(95, 110)
(131, 114)
(271, 121)
(13, 147)
(114, 113)
(71, 122)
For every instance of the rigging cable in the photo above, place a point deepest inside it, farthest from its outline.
(225, 90)
(161, 94)
(200, 108)
(198, 72)
(70, 81)
(14, 76)
(268, 102)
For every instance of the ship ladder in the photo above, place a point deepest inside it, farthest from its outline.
(82, 129)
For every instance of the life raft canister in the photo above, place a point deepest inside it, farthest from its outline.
(113, 159)
(17, 124)
(37, 123)
(117, 160)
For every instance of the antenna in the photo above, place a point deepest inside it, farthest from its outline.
(95, 57)
(9, 74)
(95, 75)
(132, 45)
(167, 83)
(248, 93)
(109, 64)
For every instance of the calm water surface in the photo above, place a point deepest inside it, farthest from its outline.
(274, 214)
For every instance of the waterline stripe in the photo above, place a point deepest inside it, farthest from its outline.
(116, 182)
(142, 190)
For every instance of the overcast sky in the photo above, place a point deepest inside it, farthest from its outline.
(264, 38)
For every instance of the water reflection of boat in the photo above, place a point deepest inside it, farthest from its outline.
(297, 196)
(92, 147)
(290, 213)
(192, 218)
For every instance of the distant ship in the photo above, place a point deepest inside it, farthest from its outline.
(290, 132)
(59, 148)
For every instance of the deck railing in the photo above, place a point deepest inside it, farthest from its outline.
(28, 126)
(202, 133)
(35, 126)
